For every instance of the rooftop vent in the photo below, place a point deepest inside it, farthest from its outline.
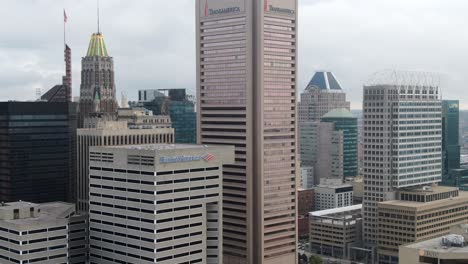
(453, 241)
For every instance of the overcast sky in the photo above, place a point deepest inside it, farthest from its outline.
(153, 42)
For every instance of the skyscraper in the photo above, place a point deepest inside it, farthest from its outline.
(37, 151)
(97, 90)
(450, 138)
(345, 122)
(322, 94)
(402, 139)
(110, 133)
(246, 91)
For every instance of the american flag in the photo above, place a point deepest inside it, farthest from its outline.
(65, 18)
(208, 157)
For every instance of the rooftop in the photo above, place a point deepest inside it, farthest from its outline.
(97, 47)
(339, 113)
(336, 210)
(49, 212)
(419, 206)
(437, 245)
(324, 80)
(430, 190)
(155, 147)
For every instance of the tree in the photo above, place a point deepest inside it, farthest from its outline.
(315, 260)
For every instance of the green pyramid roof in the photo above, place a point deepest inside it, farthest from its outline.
(97, 47)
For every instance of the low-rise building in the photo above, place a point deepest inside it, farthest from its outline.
(334, 231)
(41, 233)
(143, 118)
(159, 203)
(447, 249)
(333, 193)
(305, 204)
(418, 215)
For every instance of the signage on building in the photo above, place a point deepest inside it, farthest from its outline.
(177, 159)
(271, 8)
(220, 11)
(427, 253)
(453, 107)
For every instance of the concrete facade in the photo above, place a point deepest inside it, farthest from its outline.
(418, 215)
(246, 91)
(333, 193)
(402, 141)
(333, 231)
(48, 233)
(139, 118)
(157, 203)
(322, 94)
(110, 133)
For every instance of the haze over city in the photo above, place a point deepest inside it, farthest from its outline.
(153, 42)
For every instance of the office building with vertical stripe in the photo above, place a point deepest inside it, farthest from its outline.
(246, 90)
(158, 203)
(110, 133)
(402, 140)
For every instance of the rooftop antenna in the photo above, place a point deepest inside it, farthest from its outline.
(98, 31)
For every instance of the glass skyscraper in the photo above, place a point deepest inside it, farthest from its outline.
(450, 138)
(37, 151)
(345, 121)
(178, 106)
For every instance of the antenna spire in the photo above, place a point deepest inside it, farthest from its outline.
(98, 31)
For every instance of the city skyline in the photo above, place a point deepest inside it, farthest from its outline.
(142, 57)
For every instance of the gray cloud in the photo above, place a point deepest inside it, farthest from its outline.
(153, 42)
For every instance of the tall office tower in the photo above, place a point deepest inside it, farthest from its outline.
(110, 133)
(62, 92)
(322, 94)
(159, 203)
(450, 138)
(322, 150)
(37, 151)
(97, 90)
(346, 123)
(246, 91)
(402, 139)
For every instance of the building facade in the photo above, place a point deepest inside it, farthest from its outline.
(418, 215)
(97, 90)
(140, 118)
(333, 193)
(37, 146)
(159, 203)
(322, 94)
(178, 105)
(344, 121)
(110, 133)
(402, 140)
(246, 91)
(450, 139)
(41, 233)
(450, 249)
(333, 231)
(305, 205)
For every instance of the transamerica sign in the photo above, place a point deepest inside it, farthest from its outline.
(221, 7)
(273, 6)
